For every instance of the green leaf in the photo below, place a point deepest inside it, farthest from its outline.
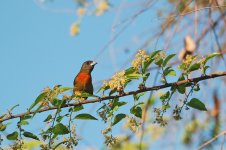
(11, 109)
(182, 66)
(153, 54)
(197, 104)
(146, 65)
(84, 94)
(205, 68)
(120, 104)
(30, 135)
(146, 76)
(26, 117)
(48, 118)
(169, 72)
(3, 126)
(60, 129)
(38, 99)
(85, 117)
(172, 73)
(167, 59)
(210, 56)
(62, 103)
(103, 88)
(165, 96)
(164, 107)
(37, 110)
(159, 62)
(181, 88)
(23, 122)
(196, 88)
(137, 96)
(56, 102)
(116, 103)
(12, 136)
(137, 111)
(2, 116)
(118, 118)
(78, 108)
(64, 89)
(112, 92)
(59, 118)
(129, 71)
(134, 76)
(194, 67)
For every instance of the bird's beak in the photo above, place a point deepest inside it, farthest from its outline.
(93, 63)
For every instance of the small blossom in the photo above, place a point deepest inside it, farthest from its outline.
(66, 97)
(75, 28)
(78, 95)
(132, 124)
(105, 84)
(159, 56)
(141, 57)
(188, 59)
(46, 90)
(102, 7)
(106, 131)
(81, 11)
(44, 103)
(65, 139)
(117, 81)
(73, 129)
(110, 141)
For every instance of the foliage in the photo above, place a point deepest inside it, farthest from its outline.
(61, 132)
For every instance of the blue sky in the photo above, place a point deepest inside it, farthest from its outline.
(37, 51)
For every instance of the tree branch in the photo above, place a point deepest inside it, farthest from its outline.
(211, 140)
(153, 88)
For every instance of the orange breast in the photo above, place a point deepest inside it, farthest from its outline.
(83, 78)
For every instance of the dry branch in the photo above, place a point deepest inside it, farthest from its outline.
(211, 140)
(192, 80)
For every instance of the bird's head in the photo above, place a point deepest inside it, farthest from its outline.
(88, 66)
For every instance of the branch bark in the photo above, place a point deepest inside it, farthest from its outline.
(153, 88)
(211, 140)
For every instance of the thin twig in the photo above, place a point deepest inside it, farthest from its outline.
(131, 20)
(209, 28)
(211, 140)
(145, 113)
(222, 144)
(179, 61)
(53, 122)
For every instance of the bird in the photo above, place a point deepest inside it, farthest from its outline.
(83, 80)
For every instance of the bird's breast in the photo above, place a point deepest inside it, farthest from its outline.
(84, 78)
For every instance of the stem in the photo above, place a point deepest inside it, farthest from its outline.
(164, 77)
(69, 123)
(59, 144)
(171, 94)
(50, 136)
(186, 99)
(153, 88)
(211, 140)
(20, 135)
